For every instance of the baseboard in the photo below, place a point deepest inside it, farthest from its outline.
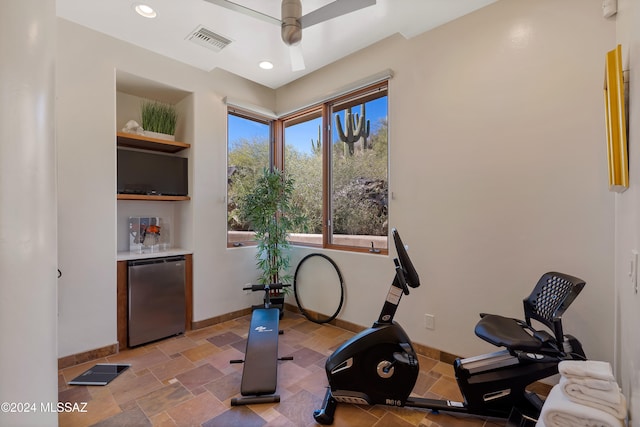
(86, 356)
(220, 319)
(421, 349)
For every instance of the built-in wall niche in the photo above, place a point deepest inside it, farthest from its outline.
(131, 92)
(171, 214)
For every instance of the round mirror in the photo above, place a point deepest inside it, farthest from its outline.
(318, 288)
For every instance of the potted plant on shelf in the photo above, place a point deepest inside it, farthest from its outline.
(159, 120)
(272, 216)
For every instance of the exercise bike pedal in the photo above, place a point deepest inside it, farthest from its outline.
(535, 400)
(285, 358)
(236, 361)
(325, 415)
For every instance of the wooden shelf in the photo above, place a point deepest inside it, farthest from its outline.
(151, 197)
(132, 140)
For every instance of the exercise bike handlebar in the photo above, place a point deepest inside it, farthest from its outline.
(400, 276)
(261, 287)
(410, 275)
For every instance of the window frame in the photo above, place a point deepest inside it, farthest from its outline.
(248, 115)
(295, 118)
(277, 154)
(346, 100)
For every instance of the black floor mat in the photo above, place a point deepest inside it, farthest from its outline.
(100, 374)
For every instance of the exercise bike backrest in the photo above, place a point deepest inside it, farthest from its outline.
(406, 273)
(548, 301)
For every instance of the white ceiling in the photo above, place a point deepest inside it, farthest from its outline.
(253, 40)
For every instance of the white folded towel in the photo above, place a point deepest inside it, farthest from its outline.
(594, 369)
(594, 383)
(559, 411)
(611, 401)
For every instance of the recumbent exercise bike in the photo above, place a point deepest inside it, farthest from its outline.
(380, 366)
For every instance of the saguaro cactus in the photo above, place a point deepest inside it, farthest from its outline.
(365, 131)
(316, 145)
(356, 127)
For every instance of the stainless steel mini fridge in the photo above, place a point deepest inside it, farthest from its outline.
(156, 299)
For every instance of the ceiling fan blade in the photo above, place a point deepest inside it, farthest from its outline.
(245, 10)
(333, 10)
(297, 59)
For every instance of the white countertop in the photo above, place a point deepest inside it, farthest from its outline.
(126, 256)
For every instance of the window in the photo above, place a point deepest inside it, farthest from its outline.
(303, 162)
(248, 153)
(337, 154)
(358, 171)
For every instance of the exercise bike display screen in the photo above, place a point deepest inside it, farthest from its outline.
(410, 273)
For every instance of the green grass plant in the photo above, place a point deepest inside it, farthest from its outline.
(159, 117)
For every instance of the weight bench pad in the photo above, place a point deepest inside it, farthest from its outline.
(260, 372)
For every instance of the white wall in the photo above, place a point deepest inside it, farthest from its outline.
(498, 167)
(28, 245)
(628, 218)
(87, 63)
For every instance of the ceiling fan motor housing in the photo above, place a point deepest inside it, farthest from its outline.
(291, 27)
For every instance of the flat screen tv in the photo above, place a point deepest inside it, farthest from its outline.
(146, 173)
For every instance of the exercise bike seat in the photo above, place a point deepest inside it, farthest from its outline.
(506, 332)
(551, 296)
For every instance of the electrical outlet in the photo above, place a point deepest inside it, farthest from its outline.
(429, 321)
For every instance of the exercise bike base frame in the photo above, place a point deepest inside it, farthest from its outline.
(325, 415)
(492, 393)
(492, 384)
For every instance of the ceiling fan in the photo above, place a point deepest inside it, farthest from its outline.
(292, 21)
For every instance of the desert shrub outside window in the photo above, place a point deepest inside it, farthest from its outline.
(249, 151)
(303, 156)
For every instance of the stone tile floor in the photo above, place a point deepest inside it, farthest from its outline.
(187, 380)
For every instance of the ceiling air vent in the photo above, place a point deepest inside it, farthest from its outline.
(208, 39)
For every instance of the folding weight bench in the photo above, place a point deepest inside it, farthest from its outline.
(260, 371)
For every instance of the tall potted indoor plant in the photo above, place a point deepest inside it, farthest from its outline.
(272, 216)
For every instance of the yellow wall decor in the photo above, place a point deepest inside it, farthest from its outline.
(616, 122)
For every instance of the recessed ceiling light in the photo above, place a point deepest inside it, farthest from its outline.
(145, 10)
(265, 65)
